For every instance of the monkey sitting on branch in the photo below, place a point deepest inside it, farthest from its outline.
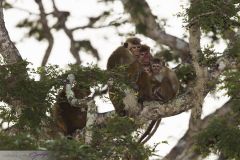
(67, 117)
(165, 84)
(74, 110)
(125, 54)
(138, 76)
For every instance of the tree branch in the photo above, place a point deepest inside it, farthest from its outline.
(152, 28)
(184, 148)
(47, 32)
(7, 49)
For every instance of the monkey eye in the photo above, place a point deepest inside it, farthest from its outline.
(143, 53)
(155, 65)
(135, 47)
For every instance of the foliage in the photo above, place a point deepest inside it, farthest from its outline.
(232, 83)
(114, 140)
(214, 16)
(185, 73)
(221, 136)
(21, 141)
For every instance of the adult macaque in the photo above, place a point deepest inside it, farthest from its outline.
(145, 56)
(125, 54)
(67, 117)
(165, 84)
(138, 76)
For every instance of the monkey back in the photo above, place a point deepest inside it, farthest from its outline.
(121, 56)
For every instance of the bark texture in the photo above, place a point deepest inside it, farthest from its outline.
(7, 49)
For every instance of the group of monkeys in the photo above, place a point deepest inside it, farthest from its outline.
(149, 76)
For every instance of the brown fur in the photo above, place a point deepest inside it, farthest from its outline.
(67, 117)
(140, 79)
(165, 84)
(121, 56)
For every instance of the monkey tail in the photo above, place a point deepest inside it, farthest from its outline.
(152, 128)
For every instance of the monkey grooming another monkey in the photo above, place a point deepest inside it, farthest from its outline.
(165, 84)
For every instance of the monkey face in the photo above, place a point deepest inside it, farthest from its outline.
(147, 69)
(144, 58)
(156, 68)
(134, 49)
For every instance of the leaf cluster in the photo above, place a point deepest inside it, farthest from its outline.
(221, 136)
(214, 16)
(114, 140)
(232, 83)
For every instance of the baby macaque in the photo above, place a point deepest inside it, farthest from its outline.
(147, 69)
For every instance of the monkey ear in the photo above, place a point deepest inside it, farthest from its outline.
(125, 44)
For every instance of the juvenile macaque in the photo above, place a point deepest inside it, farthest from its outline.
(147, 69)
(67, 117)
(125, 54)
(165, 84)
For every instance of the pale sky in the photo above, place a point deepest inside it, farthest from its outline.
(172, 128)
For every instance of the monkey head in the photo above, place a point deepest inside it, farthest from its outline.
(144, 55)
(133, 44)
(156, 65)
(147, 69)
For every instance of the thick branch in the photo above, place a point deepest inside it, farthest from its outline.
(154, 110)
(7, 48)
(152, 28)
(201, 72)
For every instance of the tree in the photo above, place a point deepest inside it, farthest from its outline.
(201, 70)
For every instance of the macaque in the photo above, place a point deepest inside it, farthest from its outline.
(144, 55)
(137, 67)
(133, 45)
(139, 76)
(147, 69)
(165, 84)
(125, 54)
(67, 117)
